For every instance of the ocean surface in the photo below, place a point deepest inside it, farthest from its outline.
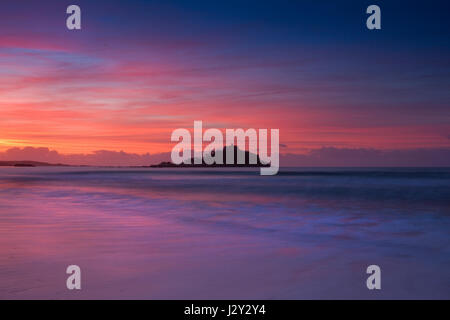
(307, 233)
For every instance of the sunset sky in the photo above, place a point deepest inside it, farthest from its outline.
(140, 69)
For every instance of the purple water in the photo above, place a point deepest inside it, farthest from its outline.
(231, 234)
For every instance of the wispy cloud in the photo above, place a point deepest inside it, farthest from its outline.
(99, 158)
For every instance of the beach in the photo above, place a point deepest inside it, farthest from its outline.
(193, 233)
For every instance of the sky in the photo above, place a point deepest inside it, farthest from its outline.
(113, 92)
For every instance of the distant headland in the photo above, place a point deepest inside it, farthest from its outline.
(221, 154)
(29, 164)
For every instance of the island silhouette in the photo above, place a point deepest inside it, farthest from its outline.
(221, 154)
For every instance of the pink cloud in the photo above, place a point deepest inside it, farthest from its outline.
(323, 157)
(366, 157)
(100, 157)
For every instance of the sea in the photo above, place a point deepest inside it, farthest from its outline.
(224, 233)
